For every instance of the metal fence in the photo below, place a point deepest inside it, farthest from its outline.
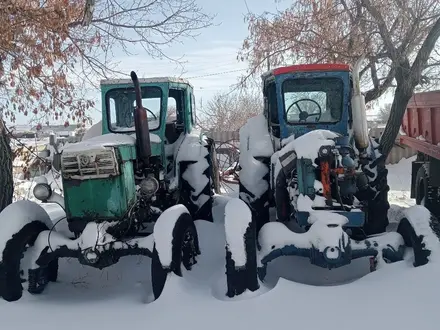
(224, 136)
(397, 153)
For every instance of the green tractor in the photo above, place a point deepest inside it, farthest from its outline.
(135, 189)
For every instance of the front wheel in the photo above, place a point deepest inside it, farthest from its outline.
(11, 271)
(175, 245)
(420, 230)
(20, 224)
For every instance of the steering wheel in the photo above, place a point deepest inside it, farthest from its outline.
(155, 117)
(303, 115)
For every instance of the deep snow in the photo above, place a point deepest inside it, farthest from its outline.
(396, 296)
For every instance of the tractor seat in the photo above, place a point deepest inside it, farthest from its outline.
(171, 134)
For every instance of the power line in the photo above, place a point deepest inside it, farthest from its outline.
(215, 74)
(210, 65)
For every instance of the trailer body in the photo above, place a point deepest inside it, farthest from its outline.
(421, 124)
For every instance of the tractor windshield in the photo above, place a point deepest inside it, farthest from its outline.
(121, 103)
(313, 100)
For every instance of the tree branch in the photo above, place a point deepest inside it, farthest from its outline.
(378, 90)
(388, 42)
(425, 52)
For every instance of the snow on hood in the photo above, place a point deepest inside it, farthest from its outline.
(106, 140)
(100, 142)
(307, 145)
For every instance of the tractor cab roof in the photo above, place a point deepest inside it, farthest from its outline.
(306, 68)
(146, 81)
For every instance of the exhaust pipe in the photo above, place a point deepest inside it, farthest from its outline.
(360, 128)
(141, 123)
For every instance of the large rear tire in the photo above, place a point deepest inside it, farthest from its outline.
(259, 204)
(199, 182)
(427, 194)
(376, 195)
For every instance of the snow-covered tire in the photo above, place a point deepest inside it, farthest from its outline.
(420, 230)
(241, 249)
(176, 243)
(376, 195)
(215, 174)
(197, 200)
(426, 194)
(20, 225)
(258, 205)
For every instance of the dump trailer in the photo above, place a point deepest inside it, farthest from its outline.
(421, 124)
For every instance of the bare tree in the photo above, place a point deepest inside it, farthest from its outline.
(230, 111)
(397, 37)
(50, 50)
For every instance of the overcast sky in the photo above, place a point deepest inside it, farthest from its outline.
(209, 59)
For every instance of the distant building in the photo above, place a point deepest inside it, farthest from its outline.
(58, 130)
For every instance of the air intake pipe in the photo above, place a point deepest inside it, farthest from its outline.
(141, 123)
(360, 128)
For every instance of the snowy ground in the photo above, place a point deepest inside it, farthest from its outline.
(399, 179)
(395, 297)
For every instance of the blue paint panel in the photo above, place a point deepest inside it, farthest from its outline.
(340, 127)
(318, 258)
(355, 219)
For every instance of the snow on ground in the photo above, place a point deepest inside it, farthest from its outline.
(397, 296)
(399, 180)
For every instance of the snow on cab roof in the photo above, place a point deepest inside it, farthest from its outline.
(307, 68)
(146, 81)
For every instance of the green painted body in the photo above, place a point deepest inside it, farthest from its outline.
(110, 198)
(101, 199)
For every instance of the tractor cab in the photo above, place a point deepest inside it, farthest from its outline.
(169, 105)
(302, 98)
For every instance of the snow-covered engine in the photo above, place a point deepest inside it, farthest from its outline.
(330, 181)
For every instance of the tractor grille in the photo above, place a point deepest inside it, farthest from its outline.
(91, 164)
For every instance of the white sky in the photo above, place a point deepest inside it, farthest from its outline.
(210, 61)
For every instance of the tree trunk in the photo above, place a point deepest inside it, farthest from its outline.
(401, 98)
(402, 95)
(6, 177)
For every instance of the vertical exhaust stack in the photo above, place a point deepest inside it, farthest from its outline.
(360, 128)
(141, 123)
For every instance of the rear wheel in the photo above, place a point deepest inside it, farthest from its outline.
(215, 174)
(426, 194)
(199, 182)
(250, 181)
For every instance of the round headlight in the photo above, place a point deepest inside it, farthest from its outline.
(149, 185)
(42, 191)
